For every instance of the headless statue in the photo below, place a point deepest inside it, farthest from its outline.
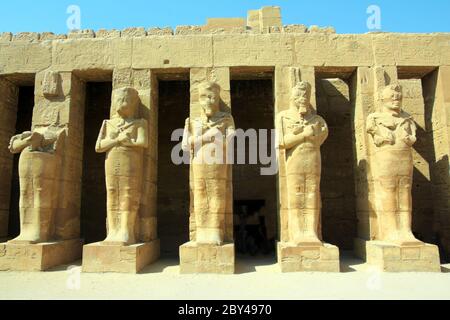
(39, 175)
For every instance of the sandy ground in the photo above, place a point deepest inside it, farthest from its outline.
(256, 279)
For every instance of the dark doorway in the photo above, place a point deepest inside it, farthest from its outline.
(337, 187)
(23, 123)
(255, 195)
(93, 194)
(173, 180)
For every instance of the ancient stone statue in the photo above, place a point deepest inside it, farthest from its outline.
(302, 133)
(124, 138)
(207, 138)
(393, 134)
(39, 175)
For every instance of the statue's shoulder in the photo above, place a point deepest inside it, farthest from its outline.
(225, 115)
(286, 115)
(405, 115)
(226, 118)
(113, 122)
(318, 119)
(375, 116)
(142, 122)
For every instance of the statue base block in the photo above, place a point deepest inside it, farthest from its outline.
(39, 257)
(103, 258)
(198, 258)
(420, 257)
(308, 258)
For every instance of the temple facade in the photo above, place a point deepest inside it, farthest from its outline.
(361, 128)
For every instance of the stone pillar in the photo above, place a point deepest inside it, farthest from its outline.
(8, 109)
(199, 258)
(437, 98)
(308, 257)
(100, 257)
(59, 97)
(387, 256)
(363, 100)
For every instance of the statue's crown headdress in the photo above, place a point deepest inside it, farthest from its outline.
(302, 86)
(209, 85)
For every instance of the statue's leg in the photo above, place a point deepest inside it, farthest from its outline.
(216, 189)
(387, 207)
(296, 202)
(201, 208)
(112, 206)
(28, 218)
(312, 208)
(405, 209)
(44, 200)
(130, 195)
(210, 204)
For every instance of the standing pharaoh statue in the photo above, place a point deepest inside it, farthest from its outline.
(39, 174)
(207, 138)
(393, 134)
(302, 132)
(124, 138)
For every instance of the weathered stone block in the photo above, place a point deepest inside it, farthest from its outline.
(39, 257)
(134, 32)
(167, 31)
(196, 258)
(310, 258)
(108, 34)
(26, 36)
(187, 30)
(395, 258)
(81, 34)
(102, 258)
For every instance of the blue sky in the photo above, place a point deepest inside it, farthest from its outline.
(347, 16)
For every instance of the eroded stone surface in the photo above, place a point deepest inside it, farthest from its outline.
(103, 258)
(39, 257)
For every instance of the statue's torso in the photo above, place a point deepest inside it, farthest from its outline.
(208, 149)
(392, 155)
(124, 160)
(305, 157)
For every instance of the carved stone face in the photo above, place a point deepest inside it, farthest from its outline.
(301, 97)
(393, 98)
(209, 98)
(126, 101)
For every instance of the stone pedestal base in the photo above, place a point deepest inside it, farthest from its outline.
(395, 258)
(101, 258)
(39, 257)
(195, 258)
(310, 258)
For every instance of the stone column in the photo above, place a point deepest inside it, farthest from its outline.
(8, 109)
(58, 98)
(390, 256)
(437, 99)
(297, 257)
(209, 258)
(363, 99)
(105, 257)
